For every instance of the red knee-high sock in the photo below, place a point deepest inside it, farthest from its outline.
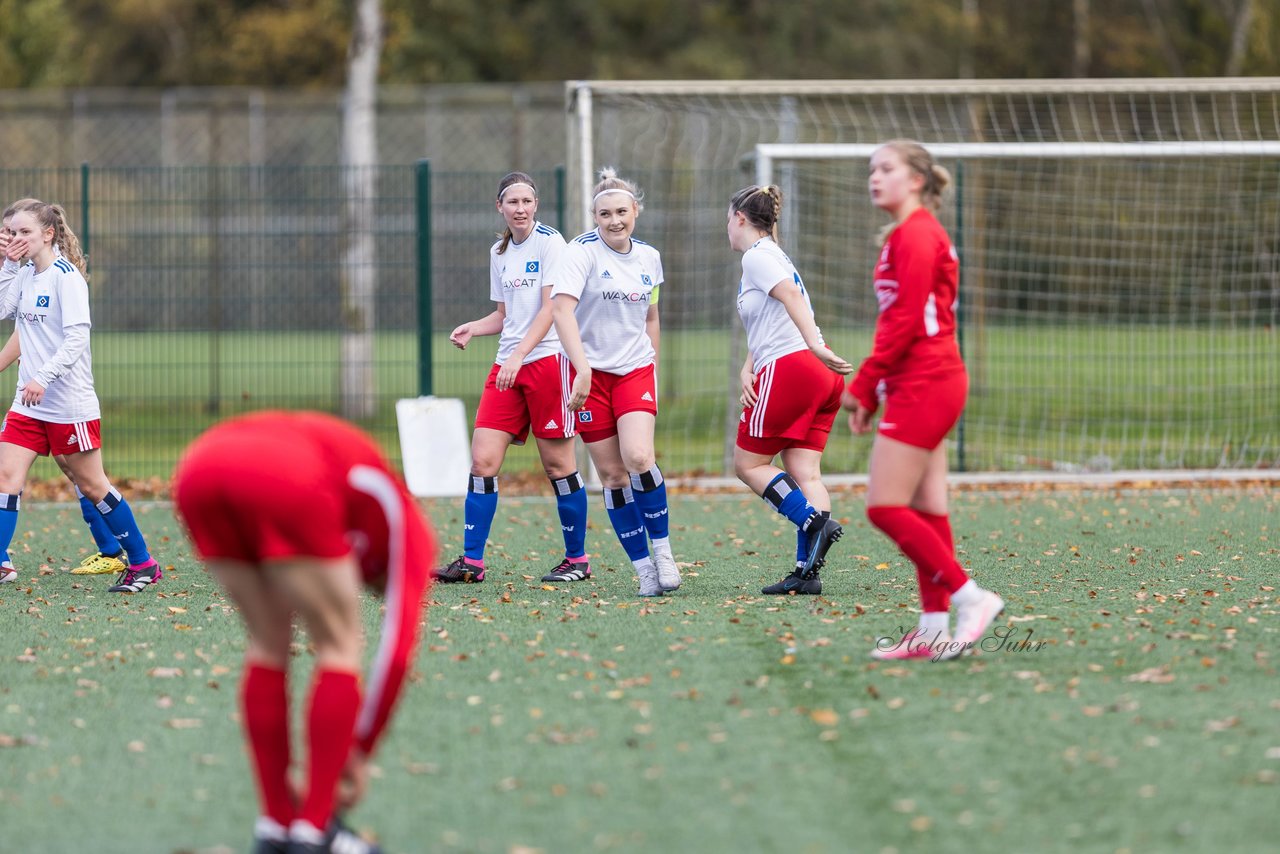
(264, 707)
(934, 596)
(331, 722)
(921, 543)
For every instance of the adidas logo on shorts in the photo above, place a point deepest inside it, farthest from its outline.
(552, 425)
(647, 396)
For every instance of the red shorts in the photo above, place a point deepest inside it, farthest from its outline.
(797, 398)
(611, 397)
(922, 412)
(539, 398)
(45, 437)
(274, 502)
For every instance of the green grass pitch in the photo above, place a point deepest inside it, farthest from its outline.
(584, 719)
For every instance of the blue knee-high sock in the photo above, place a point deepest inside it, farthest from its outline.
(625, 517)
(481, 505)
(802, 540)
(651, 497)
(571, 503)
(9, 504)
(119, 518)
(102, 536)
(784, 495)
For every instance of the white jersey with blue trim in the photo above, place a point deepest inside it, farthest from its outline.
(614, 292)
(51, 313)
(516, 279)
(771, 333)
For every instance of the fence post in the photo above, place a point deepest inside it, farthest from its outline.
(84, 209)
(959, 243)
(425, 385)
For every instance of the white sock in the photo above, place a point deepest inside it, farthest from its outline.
(661, 544)
(643, 565)
(933, 622)
(968, 594)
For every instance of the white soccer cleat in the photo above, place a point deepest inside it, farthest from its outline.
(668, 572)
(7, 572)
(648, 575)
(972, 622)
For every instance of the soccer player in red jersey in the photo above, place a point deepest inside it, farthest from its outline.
(790, 387)
(292, 512)
(605, 304)
(527, 388)
(915, 367)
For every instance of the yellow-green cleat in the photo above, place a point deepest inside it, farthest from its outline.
(100, 564)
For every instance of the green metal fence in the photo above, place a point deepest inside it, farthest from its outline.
(221, 289)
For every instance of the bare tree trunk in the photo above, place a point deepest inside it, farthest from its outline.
(1239, 38)
(1155, 20)
(969, 22)
(1082, 54)
(358, 380)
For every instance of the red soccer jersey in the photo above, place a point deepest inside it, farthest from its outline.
(916, 282)
(260, 466)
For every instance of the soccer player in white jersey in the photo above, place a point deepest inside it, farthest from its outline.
(791, 387)
(56, 407)
(108, 556)
(605, 304)
(528, 387)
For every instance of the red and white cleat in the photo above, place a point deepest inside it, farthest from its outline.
(972, 622)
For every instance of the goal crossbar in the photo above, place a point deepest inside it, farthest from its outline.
(766, 154)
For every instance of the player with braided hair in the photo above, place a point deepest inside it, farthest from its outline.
(790, 387)
(108, 557)
(56, 408)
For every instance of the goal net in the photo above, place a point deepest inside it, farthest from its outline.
(1120, 247)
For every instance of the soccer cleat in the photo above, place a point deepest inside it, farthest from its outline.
(567, 570)
(269, 837)
(649, 584)
(668, 572)
(7, 572)
(972, 622)
(135, 578)
(796, 583)
(820, 539)
(337, 839)
(914, 644)
(100, 564)
(461, 571)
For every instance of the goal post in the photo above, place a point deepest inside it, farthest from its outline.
(1120, 240)
(990, 376)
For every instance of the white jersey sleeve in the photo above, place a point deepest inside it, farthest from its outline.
(516, 279)
(53, 323)
(614, 291)
(771, 333)
(8, 291)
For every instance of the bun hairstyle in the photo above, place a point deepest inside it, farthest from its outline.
(610, 182)
(919, 160)
(510, 180)
(762, 206)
